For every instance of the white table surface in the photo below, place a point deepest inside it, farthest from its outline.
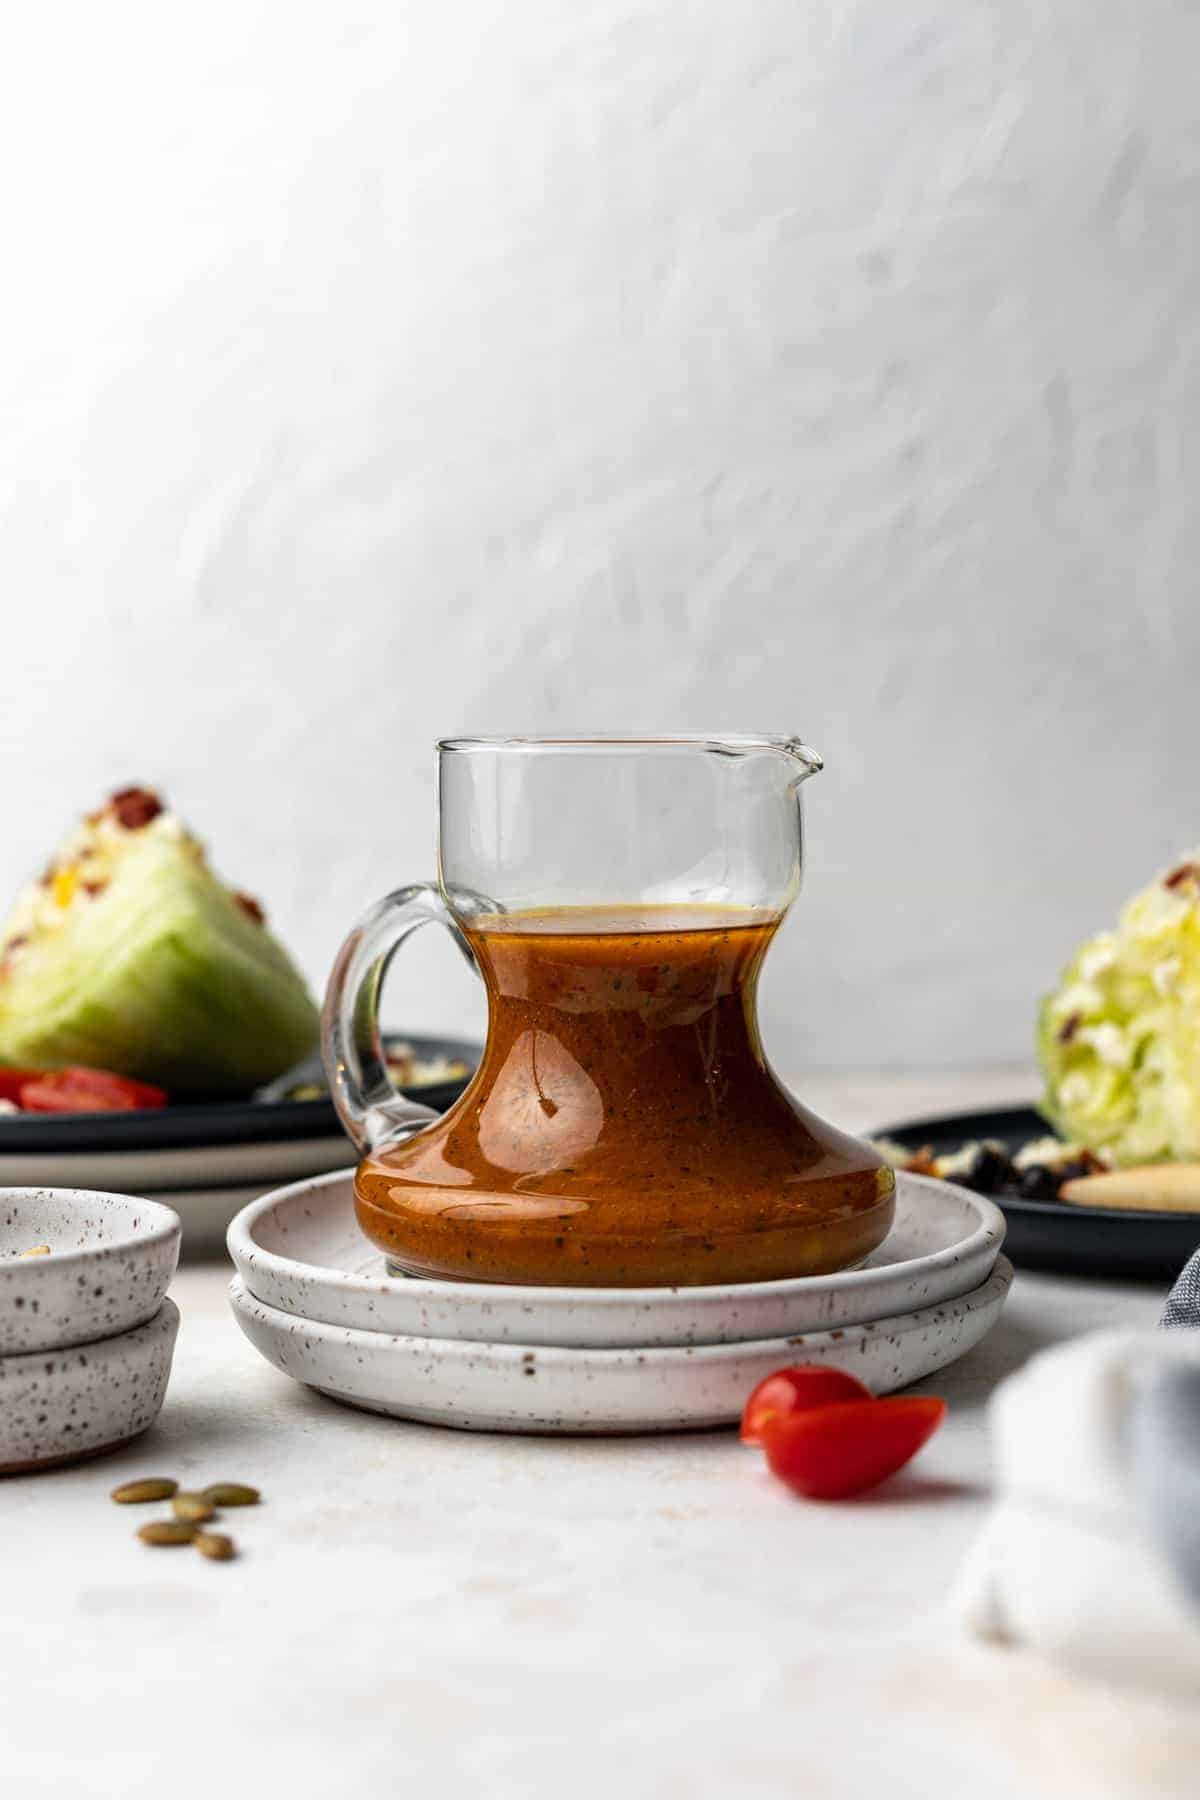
(429, 1613)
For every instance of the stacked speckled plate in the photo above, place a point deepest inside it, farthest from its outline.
(86, 1333)
(316, 1300)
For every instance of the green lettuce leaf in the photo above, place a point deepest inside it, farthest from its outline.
(1119, 1039)
(151, 967)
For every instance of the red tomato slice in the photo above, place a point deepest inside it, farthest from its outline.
(87, 1090)
(52, 1094)
(13, 1080)
(835, 1451)
(797, 1390)
(104, 1081)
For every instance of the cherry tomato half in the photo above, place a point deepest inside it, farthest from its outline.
(13, 1080)
(797, 1390)
(834, 1451)
(118, 1087)
(87, 1090)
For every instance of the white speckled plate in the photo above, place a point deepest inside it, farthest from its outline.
(191, 1166)
(59, 1405)
(112, 1257)
(300, 1250)
(509, 1387)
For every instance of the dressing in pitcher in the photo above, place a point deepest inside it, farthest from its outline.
(618, 898)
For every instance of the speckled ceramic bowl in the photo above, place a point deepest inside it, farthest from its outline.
(111, 1259)
(57, 1406)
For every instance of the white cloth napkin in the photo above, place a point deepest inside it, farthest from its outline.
(1091, 1556)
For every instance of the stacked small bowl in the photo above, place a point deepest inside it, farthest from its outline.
(315, 1298)
(86, 1331)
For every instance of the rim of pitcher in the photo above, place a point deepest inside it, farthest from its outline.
(728, 741)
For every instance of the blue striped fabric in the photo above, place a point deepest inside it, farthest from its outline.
(1183, 1301)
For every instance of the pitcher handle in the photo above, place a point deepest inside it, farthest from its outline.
(373, 1112)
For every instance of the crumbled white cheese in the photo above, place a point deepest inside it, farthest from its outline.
(1098, 956)
(92, 853)
(962, 1160)
(959, 1162)
(1159, 908)
(1165, 975)
(1109, 1042)
(1075, 1089)
(1080, 997)
(1045, 1153)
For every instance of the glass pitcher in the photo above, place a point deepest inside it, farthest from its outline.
(617, 895)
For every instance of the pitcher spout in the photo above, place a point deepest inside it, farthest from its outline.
(811, 761)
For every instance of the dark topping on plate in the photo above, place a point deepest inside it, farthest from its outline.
(1035, 1172)
(1186, 872)
(1069, 1027)
(991, 1170)
(135, 807)
(251, 907)
(1039, 1183)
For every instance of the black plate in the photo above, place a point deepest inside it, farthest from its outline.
(1047, 1234)
(218, 1121)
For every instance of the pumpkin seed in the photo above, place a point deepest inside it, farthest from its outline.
(167, 1531)
(231, 1493)
(134, 1493)
(215, 1545)
(194, 1508)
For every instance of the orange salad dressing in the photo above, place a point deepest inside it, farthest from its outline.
(623, 1127)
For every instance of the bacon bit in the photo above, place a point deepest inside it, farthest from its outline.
(14, 943)
(921, 1162)
(1188, 871)
(46, 878)
(94, 887)
(135, 807)
(251, 907)
(1069, 1027)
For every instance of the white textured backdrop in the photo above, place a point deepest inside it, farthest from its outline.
(372, 372)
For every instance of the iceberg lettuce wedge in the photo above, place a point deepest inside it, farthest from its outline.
(1119, 1039)
(131, 955)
